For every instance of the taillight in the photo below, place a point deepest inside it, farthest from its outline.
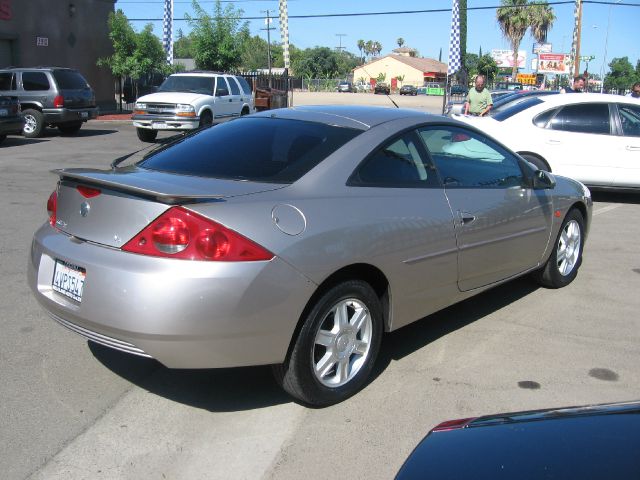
(453, 424)
(52, 206)
(58, 101)
(181, 233)
(88, 192)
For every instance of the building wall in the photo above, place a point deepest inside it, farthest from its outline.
(61, 33)
(391, 68)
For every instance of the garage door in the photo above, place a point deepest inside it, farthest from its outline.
(5, 53)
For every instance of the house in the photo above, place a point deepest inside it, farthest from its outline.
(414, 70)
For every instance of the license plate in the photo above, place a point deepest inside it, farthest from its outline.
(158, 124)
(84, 114)
(4, 112)
(68, 280)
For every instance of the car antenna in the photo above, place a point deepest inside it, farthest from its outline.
(392, 101)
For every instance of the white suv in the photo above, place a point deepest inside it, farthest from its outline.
(186, 101)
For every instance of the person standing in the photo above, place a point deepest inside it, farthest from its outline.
(635, 90)
(478, 102)
(577, 87)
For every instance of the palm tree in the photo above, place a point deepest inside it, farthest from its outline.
(514, 19)
(541, 18)
(400, 42)
(361, 48)
(377, 47)
(368, 48)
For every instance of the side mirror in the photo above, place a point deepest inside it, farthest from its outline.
(222, 92)
(543, 180)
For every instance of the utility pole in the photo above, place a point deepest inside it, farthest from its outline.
(267, 22)
(340, 35)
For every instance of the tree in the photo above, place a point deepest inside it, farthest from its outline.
(123, 39)
(183, 46)
(400, 42)
(621, 76)
(148, 56)
(541, 18)
(471, 63)
(488, 67)
(317, 62)
(218, 38)
(255, 52)
(513, 18)
(361, 45)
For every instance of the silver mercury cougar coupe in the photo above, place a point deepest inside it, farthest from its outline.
(297, 238)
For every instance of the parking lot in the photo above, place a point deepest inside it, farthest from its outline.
(71, 409)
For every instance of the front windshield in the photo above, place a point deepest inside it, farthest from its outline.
(185, 83)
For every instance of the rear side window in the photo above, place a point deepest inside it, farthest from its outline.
(257, 149)
(515, 109)
(583, 118)
(69, 80)
(543, 118)
(32, 81)
(7, 81)
(235, 90)
(245, 85)
(630, 120)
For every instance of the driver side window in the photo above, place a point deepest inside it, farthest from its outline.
(467, 159)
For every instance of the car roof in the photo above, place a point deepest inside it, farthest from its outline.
(359, 117)
(200, 73)
(571, 98)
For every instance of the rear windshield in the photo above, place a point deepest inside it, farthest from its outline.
(69, 80)
(257, 149)
(517, 108)
(184, 83)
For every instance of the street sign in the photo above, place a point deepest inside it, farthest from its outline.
(587, 58)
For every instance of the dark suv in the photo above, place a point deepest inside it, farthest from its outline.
(59, 97)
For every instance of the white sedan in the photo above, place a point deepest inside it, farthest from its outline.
(591, 137)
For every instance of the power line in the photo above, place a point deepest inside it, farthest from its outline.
(399, 12)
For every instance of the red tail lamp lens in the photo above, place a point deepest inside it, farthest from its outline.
(58, 101)
(181, 233)
(52, 207)
(88, 192)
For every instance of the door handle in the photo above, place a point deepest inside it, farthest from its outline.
(553, 142)
(465, 218)
(230, 100)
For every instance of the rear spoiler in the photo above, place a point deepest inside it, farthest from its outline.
(95, 177)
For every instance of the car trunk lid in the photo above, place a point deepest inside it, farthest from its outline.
(111, 207)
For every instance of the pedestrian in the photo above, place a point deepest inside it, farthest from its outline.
(577, 87)
(478, 102)
(635, 91)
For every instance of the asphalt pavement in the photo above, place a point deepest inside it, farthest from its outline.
(74, 410)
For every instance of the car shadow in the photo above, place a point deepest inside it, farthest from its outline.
(83, 132)
(615, 197)
(12, 141)
(247, 388)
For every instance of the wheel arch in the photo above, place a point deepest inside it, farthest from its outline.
(582, 208)
(31, 105)
(359, 271)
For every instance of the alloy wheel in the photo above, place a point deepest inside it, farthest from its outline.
(569, 247)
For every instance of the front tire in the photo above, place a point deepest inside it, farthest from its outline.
(206, 119)
(562, 266)
(146, 135)
(33, 123)
(336, 348)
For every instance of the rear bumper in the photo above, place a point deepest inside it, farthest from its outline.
(164, 122)
(11, 125)
(184, 314)
(69, 115)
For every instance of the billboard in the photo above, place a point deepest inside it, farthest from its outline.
(557, 63)
(542, 48)
(504, 58)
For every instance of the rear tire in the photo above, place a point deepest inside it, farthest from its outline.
(539, 163)
(70, 128)
(33, 123)
(2, 138)
(336, 348)
(565, 259)
(147, 135)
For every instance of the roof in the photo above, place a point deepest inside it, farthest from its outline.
(351, 116)
(422, 64)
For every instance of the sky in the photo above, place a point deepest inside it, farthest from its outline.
(615, 25)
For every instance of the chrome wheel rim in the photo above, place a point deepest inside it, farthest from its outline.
(568, 248)
(342, 344)
(30, 124)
